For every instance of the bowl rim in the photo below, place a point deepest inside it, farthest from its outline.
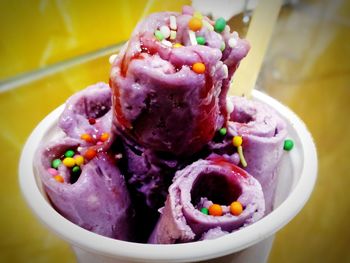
(193, 251)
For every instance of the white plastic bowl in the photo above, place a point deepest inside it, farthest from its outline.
(297, 178)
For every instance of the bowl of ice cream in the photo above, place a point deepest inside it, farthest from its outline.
(298, 172)
(161, 165)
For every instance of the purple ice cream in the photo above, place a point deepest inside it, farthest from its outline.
(199, 185)
(88, 112)
(150, 174)
(263, 133)
(150, 140)
(159, 100)
(96, 198)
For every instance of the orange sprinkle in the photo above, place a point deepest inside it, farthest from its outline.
(236, 208)
(90, 153)
(195, 24)
(198, 67)
(104, 137)
(59, 178)
(215, 210)
(86, 137)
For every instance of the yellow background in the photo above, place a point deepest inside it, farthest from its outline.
(37, 33)
(307, 68)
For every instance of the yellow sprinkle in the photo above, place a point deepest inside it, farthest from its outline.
(237, 141)
(198, 14)
(241, 156)
(79, 160)
(177, 45)
(69, 162)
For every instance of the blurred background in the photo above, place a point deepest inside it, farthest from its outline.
(50, 49)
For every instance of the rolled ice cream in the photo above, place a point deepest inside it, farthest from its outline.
(170, 97)
(161, 154)
(263, 133)
(88, 115)
(199, 185)
(94, 197)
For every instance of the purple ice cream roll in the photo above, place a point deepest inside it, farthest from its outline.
(93, 196)
(198, 186)
(88, 113)
(159, 100)
(263, 132)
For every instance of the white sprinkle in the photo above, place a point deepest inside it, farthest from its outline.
(112, 58)
(167, 43)
(192, 36)
(118, 156)
(235, 34)
(232, 42)
(208, 25)
(229, 105)
(165, 31)
(173, 24)
(224, 67)
(172, 35)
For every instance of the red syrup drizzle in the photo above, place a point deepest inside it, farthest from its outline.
(221, 161)
(149, 47)
(124, 66)
(118, 112)
(205, 127)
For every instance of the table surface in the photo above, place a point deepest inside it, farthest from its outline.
(307, 68)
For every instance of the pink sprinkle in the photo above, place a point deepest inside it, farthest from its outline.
(52, 171)
(99, 143)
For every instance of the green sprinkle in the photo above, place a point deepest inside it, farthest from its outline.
(200, 40)
(76, 169)
(220, 24)
(159, 35)
(55, 163)
(69, 153)
(223, 131)
(223, 46)
(205, 211)
(288, 145)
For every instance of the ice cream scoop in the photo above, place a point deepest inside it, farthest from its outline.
(212, 184)
(90, 193)
(170, 81)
